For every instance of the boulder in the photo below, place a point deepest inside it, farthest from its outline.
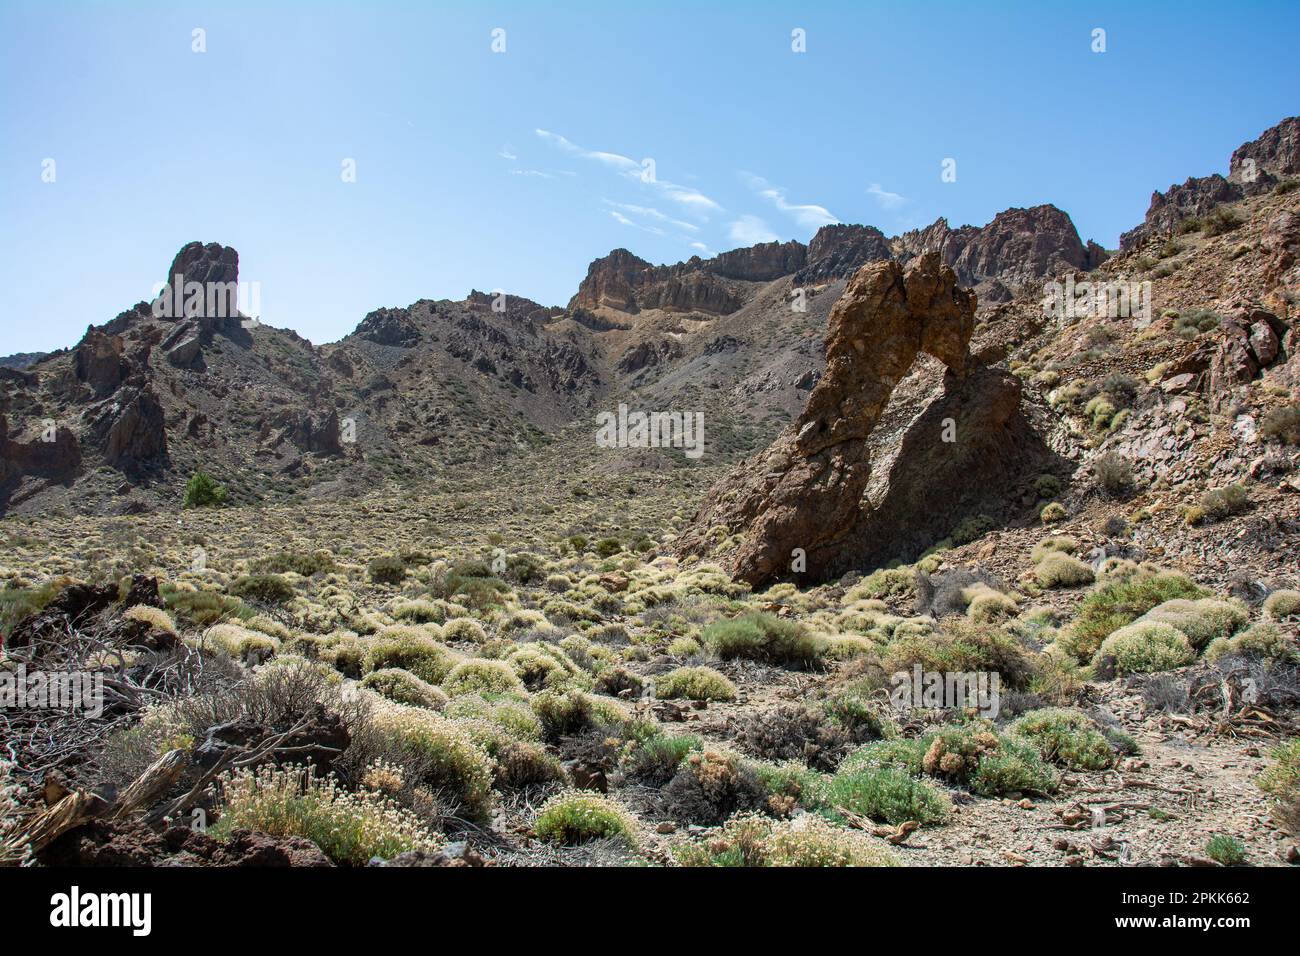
(1248, 342)
(184, 346)
(311, 431)
(453, 854)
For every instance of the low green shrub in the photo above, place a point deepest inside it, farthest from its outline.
(1262, 641)
(572, 712)
(1282, 603)
(1116, 603)
(1282, 425)
(1201, 620)
(387, 569)
(653, 761)
(524, 763)
(442, 753)
(887, 794)
(543, 666)
(694, 683)
(403, 687)
(962, 646)
(887, 582)
(1219, 503)
(482, 677)
(1281, 781)
(264, 588)
(1052, 512)
(202, 491)
(1225, 850)
(201, 608)
(750, 839)
(1066, 737)
(297, 562)
(580, 816)
(1146, 647)
(975, 756)
(766, 638)
(1059, 570)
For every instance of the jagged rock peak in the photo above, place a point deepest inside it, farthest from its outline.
(839, 250)
(213, 262)
(1254, 167)
(1276, 154)
(1017, 246)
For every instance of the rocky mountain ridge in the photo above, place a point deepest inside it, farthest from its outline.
(120, 421)
(1254, 168)
(1017, 246)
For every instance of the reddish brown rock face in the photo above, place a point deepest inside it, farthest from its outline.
(1255, 167)
(805, 491)
(1017, 247)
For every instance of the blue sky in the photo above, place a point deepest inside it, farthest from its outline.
(514, 170)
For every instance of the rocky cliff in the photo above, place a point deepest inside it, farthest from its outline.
(1019, 246)
(1254, 168)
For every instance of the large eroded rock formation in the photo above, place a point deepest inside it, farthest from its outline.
(809, 489)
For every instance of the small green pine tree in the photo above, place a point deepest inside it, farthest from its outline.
(201, 491)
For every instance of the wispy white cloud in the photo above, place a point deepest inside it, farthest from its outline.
(624, 220)
(751, 230)
(609, 159)
(807, 215)
(691, 200)
(701, 248)
(884, 198)
(649, 212)
(531, 172)
(507, 153)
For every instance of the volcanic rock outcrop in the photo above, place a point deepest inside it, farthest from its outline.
(798, 507)
(54, 454)
(629, 284)
(839, 250)
(97, 361)
(1018, 246)
(1255, 167)
(131, 430)
(804, 491)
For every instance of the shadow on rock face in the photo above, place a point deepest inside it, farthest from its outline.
(995, 453)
